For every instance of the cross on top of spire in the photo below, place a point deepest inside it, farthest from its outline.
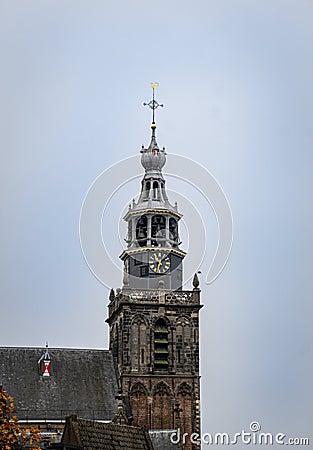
(153, 104)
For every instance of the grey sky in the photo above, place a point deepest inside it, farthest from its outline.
(236, 81)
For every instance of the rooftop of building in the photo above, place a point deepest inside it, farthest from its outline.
(81, 381)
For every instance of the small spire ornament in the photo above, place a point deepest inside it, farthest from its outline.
(196, 282)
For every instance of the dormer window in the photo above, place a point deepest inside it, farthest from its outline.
(45, 364)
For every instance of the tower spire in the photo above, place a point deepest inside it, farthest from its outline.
(153, 159)
(154, 323)
(153, 104)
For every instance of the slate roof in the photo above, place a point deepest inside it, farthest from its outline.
(82, 382)
(86, 434)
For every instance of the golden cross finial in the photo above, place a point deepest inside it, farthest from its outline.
(153, 104)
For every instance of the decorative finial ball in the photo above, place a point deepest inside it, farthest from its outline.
(153, 159)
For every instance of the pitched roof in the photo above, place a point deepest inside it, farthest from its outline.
(82, 382)
(86, 434)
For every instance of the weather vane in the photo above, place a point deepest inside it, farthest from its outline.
(153, 104)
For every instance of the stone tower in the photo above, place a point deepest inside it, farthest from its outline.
(154, 323)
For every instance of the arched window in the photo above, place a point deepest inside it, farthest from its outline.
(147, 189)
(179, 345)
(155, 190)
(183, 340)
(138, 343)
(173, 229)
(141, 231)
(158, 224)
(139, 404)
(160, 345)
(185, 401)
(162, 407)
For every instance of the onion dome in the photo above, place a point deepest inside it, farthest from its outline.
(152, 158)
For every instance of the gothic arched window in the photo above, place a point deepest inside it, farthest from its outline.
(139, 404)
(183, 342)
(138, 342)
(184, 397)
(161, 419)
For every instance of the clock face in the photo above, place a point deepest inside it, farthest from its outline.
(159, 262)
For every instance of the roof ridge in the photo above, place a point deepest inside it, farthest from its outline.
(112, 424)
(53, 348)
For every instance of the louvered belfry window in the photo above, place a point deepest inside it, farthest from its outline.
(160, 345)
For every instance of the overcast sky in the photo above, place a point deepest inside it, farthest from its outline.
(236, 80)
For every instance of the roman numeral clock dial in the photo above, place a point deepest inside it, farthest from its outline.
(159, 262)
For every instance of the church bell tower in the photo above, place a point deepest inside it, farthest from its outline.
(154, 323)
